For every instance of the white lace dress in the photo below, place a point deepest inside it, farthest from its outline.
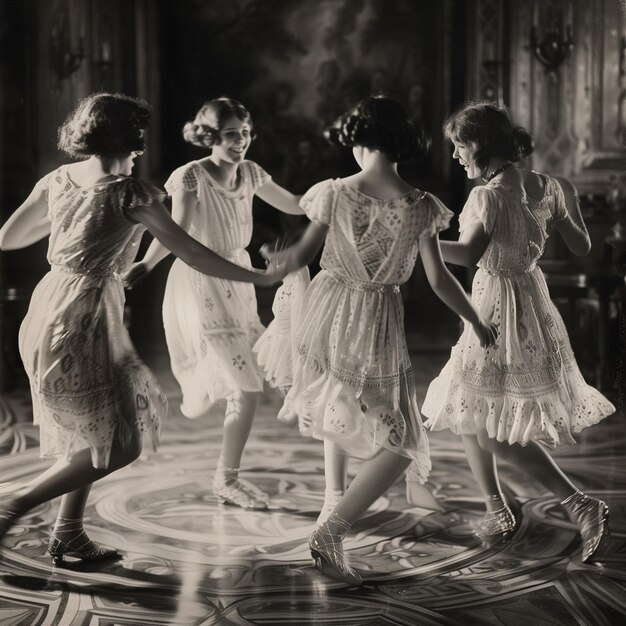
(211, 323)
(527, 387)
(352, 376)
(88, 385)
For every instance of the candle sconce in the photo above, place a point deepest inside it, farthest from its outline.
(554, 47)
(64, 60)
(617, 202)
(105, 62)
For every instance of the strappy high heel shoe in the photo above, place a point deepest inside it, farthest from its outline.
(228, 488)
(327, 551)
(496, 525)
(592, 518)
(78, 546)
(331, 500)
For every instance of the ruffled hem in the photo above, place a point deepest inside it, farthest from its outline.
(361, 422)
(95, 420)
(275, 348)
(550, 417)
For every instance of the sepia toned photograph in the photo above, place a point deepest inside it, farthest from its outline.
(312, 312)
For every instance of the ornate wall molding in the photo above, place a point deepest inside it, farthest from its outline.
(576, 113)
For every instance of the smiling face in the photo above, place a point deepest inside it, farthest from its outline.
(234, 141)
(464, 154)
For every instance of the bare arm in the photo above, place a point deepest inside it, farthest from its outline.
(29, 224)
(450, 291)
(303, 252)
(159, 223)
(280, 198)
(184, 203)
(572, 228)
(469, 249)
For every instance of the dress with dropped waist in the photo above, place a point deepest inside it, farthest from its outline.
(88, 384)
(527, 387)
(351, 380)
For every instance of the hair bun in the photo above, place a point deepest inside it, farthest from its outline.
(198, 135)
(380, 123)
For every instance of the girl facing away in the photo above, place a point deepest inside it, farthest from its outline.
(525, 393)
(212, 323)
(352, 383)
(93, 399)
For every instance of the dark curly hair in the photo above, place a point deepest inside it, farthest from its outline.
(380, 123)
(105, 124)
(491, 130)
(210, 119)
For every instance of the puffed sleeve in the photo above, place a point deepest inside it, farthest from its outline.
(185, 177)
(481, 206)
(43, 184)
(255, 174)
(559, 206)
(134, 194)
(319, 202)
(434, 215)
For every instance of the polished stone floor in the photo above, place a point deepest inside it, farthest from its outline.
(190, 561)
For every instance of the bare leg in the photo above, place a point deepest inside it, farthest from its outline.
(78, 473)
(227, 486)
(373, 479)
(72, 479)
(240, 412)
(499, 521)
(73, 503)
(590, 514)
(483, 465)
(336, 477)
(535, 461)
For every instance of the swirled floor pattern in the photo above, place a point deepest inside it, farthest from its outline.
(189, 560)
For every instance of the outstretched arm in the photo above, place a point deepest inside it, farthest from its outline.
(184, 203)
(303, 252)
(450, 291)
(280, 198)
(159, 223)
(572, 227)
(28, 224)
(470, 247)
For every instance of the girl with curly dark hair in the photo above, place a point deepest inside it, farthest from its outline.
(352, 383)
(93, 398)
(527, 389)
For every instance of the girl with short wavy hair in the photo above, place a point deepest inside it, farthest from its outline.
(94, 400)
(526, 390)
(351, 379)
(212, 324)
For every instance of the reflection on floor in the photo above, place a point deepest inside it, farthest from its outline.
(188, 560)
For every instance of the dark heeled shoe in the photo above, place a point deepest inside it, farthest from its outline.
(79, 546)
(327, 552)
(592, 518)
(496, 525)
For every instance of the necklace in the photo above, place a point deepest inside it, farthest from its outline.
(489, 177)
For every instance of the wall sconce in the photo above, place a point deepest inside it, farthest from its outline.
(64, 60)
(616, 199)
(554, 47)
(105, 62)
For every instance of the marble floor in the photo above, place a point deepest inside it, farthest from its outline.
(188, 560)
